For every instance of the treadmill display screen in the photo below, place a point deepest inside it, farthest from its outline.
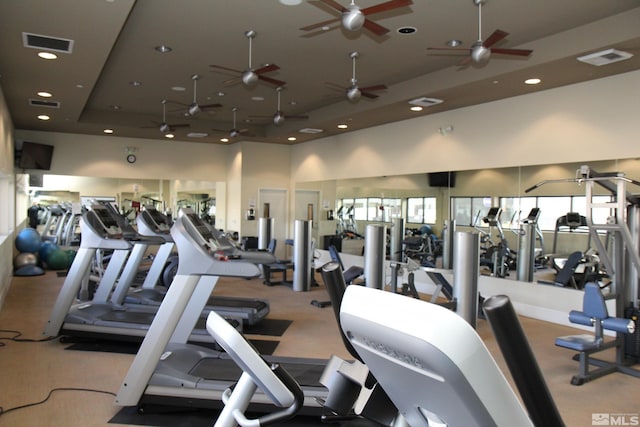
(105, 217)
(161, 221)
(200, 226)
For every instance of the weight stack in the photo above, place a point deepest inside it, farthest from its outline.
(632, 341)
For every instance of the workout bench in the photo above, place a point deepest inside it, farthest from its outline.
(594, 313)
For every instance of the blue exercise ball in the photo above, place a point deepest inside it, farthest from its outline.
(45, 249)
(28, 240)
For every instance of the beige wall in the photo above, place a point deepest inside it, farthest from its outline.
(578, 123)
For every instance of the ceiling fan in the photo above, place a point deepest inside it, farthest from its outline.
(250, 77)
(234, 132)
(353, 18)
(480, 51)
(279, 116)
(354, 92)
(164, 126)
(194, 108)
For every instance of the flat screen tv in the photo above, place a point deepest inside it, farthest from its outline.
(35, 156)
(442, 179)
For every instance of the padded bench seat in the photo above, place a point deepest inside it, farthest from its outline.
(585, 342)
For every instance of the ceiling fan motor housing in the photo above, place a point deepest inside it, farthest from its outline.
(353, 20)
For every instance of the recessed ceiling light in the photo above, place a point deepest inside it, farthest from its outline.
(290, 2)
(292, 138)
(80, 86)
(108, 131)
(163, 48)
(532, 81)
(45, 94)
(178, 88)
(407, 30)
(454, 43)
(416, 108)
(257, 98)
(115, 107)
(135, 83)
(224, 139)
(47, 55)
(43, 117)
(169, 135)
(342, 126)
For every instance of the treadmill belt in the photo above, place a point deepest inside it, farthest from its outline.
(246, 303)
(306, 374)
(129, 317)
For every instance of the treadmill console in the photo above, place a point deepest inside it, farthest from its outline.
(106, 221)
(533, 216)
(160, 223)
(493, 216)
(206, 237)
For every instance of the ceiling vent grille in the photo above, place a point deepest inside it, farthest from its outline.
(605, 57)
(310, 130)
(46, 104)
(425, 102)
(56, 44)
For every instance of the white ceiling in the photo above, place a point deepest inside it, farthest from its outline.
(114, 41)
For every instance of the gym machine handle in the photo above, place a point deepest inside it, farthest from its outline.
(521, 362)
(298, 395)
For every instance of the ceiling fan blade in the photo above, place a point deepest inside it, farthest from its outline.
(368, 94)
(494, 38)
(320, 24)
(202, 107)
(296, 117)
(181, 125)
(335, 5)
(373, 88)
(220, 67)
(516, 52)
(273, 81)
(374, 27)
(267, 69)
(459, 49)
(465, 61)
(383, 7)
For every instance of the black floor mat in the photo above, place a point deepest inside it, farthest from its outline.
(265, 347)
(206, 418)
(269, 327)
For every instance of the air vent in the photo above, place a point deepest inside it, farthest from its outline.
(311, 130)
(425, 102)
(42, 103)
(605, 57)
(37, 41)
(197, 134)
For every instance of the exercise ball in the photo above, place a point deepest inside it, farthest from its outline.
(45, 249)
(72, 255)
(28, 240)
(23, 259)
(28, 270)
(58, 259)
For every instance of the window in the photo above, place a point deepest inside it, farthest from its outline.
(421, 210)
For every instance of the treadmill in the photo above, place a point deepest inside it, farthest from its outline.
(152, 223)
(101, 318)
(168, 371)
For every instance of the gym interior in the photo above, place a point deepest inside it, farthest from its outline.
(544, 161)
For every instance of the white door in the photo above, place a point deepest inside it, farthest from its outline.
(277, 200)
